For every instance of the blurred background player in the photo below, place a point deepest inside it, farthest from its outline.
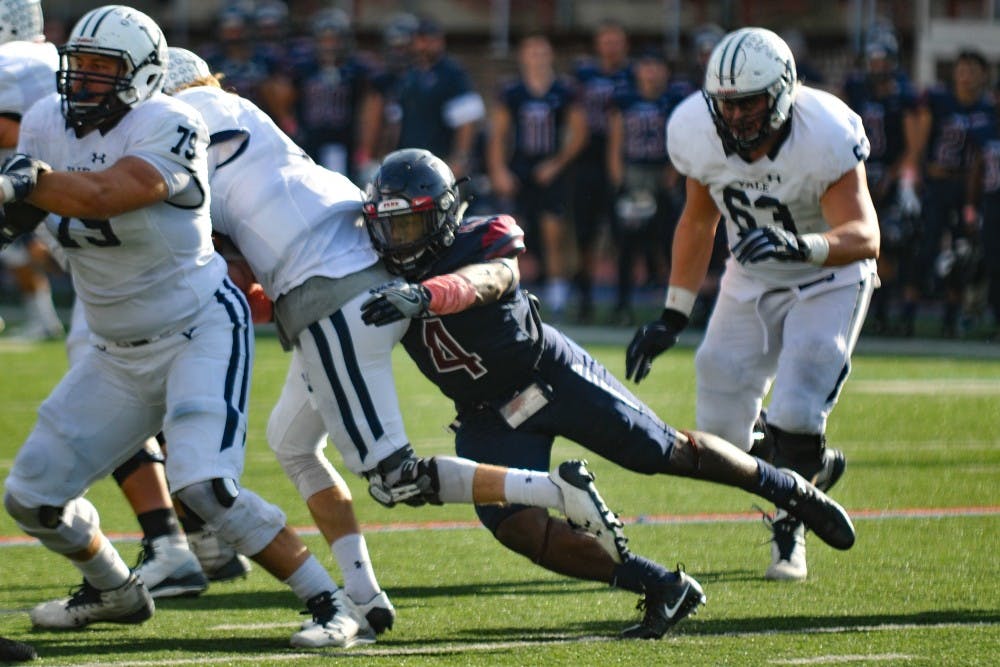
(537, 128)
(884, 98)
(598, 78)
(950, 121)
(28, 65)
(439, 108)
(332, 88)
(382, 112)
(641, 176)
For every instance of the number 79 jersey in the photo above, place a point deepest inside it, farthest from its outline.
(826, 139)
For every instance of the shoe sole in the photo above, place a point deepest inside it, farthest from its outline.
(775, 574)
(837, 463)
(234, 569)
(569, 472)
(353, 641)
(182, 588)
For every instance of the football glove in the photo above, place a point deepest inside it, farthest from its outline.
(414, 482)
(19, 175)
(756, 245)
(395, 301)
(650, 340)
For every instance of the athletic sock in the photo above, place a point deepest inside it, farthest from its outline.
(106, 570)
(773, 484)
(157, 523)
(310, 580)
(530, 487)
(351, 552)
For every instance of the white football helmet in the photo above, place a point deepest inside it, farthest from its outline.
(118, 32)
(746, 63)
(184, 69)
(20, 20)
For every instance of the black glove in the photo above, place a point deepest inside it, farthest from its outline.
(397, 300)
(762, 243)
(21, 172)
(650, 340)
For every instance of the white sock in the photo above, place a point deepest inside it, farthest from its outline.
(40, 308)
(455, 477)
(310, 580)
(530, 487)
(351, 552)
(557, 293)
(106, 570)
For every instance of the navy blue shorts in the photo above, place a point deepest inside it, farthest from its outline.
(589, 406)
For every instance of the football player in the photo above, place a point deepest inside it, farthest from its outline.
(317, 266)
(518, 383)
(539, 117)
(886, 101)
(126, 175)
(784, 163)
(27, 70)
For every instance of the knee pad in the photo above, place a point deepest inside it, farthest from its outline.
(150, 453)
(63, 530)
(310, 473)
(802, 452)
(240, 517)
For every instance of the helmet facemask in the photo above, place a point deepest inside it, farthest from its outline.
(746, 64)
(410, 234)
(124, 35)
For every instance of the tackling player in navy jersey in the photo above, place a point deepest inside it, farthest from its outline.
(518, 383)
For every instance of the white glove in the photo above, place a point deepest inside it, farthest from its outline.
(909, 202)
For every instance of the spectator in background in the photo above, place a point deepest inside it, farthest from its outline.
(950, 123)
(640, 173)
(599, 78)
(381, 111)
(332, 90)
(809, 73)
(982, 212)
(439, 107)
(281, 59)
(537, 129)
(885, 99)
(232, 54)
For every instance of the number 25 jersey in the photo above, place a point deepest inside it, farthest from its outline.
(782, 189)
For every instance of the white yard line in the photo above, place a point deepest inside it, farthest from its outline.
(552, 640)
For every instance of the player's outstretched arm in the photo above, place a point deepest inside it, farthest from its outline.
(692, 250)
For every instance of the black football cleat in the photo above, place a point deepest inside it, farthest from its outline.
(665, 604)
(820, 513)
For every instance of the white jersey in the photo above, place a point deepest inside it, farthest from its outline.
(27, 74)
(782, 189)
(291, 218)
(146, 272)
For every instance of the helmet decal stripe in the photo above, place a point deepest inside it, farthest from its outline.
(732, 65)
(93, 33)
(722, 60)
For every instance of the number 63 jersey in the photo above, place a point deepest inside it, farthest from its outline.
(144, 271)
(825, 140)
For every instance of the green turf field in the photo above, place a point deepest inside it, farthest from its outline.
(920, 587)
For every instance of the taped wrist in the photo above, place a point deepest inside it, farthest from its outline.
(819, 248)
(450, 293)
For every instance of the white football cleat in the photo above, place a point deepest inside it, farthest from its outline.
(585, 508)
(788, 549)
(169, 569)
(129, 603)
(378, 614)
(333, 624)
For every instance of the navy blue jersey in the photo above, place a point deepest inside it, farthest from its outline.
(644, 124)
(956, 128)
(485, 352)
(242, 77)
(539, 122)
(882, 114)
(329, 100)
(597, 89)
(424, 96)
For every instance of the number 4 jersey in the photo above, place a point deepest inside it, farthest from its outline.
(486, 351)
(782, 189)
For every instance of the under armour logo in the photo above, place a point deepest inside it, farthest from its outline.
(98, 157)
